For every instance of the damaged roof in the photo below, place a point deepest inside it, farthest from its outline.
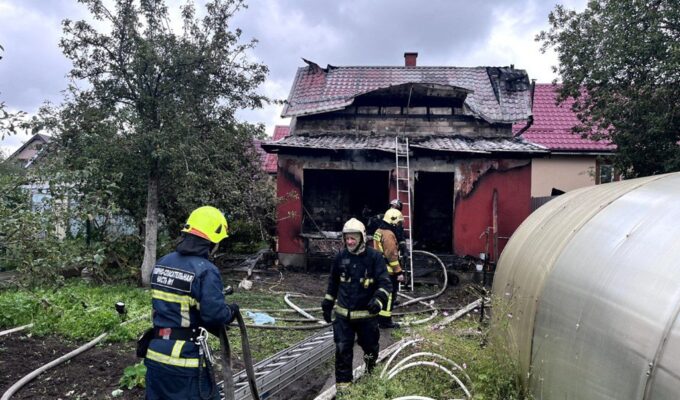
(456, 144)
(552, 126)
(496, 94)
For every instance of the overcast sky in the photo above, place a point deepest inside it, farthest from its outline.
(338, 32)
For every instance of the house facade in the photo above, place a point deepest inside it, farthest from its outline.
(573, 162)
(30, 151)
(467, 178)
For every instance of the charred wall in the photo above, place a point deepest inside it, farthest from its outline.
(424, 120)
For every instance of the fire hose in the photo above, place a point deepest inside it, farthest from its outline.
(227, 371)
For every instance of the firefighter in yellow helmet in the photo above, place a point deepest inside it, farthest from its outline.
(358, 288)
(187, 301)
(385, 241)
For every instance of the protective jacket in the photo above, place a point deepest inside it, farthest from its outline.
(355, 281)
(186, 292)
(385, 242)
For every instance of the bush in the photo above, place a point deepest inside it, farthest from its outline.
(134, 376)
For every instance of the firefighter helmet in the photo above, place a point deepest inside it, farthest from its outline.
(353, 225)
(396, 203)
(207, 222)
(393, 216)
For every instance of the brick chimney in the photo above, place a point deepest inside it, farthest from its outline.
(410, 59)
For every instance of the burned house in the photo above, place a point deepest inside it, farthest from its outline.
(466, 179)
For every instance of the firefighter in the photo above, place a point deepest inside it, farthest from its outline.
(187, 299)
(373, 222)
(358, 288)
(385, 241)
(396, 203)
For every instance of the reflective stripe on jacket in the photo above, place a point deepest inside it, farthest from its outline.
(186, 292)
(356, 279)
(385, 241)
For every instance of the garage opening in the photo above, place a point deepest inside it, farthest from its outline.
(331, 197)
(433, 212)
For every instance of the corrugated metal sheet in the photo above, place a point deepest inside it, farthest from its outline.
(591, 286)
(317, 91)
(456, 144)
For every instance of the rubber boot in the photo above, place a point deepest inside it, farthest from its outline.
(370, 363)
(387, 323)
(341, 389)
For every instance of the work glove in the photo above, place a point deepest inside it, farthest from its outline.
(327, 308)
(374, 306)
(401, 277)
(234, 308)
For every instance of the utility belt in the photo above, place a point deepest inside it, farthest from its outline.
(199, 336)
(186, 334)
(352, 314)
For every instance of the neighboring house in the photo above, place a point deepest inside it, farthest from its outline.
(467, 171)
(270, 160)
(25, 157)
(30, 151)
(573, 162)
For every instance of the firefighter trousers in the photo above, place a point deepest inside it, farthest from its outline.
(386, 313)
(161, 385)
(368, 336)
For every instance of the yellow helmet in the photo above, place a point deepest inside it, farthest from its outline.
(393, 216)
(207, 222)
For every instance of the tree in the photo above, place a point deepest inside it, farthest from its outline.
(156, 114)
(620, 61)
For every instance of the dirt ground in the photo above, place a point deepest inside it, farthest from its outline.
(95, 373)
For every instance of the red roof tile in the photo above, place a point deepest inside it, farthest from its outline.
(552, 124)
(271, 160)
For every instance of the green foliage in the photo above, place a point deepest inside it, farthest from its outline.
(134, 376)
(68, 230)
(492, 372)
(156, 120)
(619, 60)
(77, 310)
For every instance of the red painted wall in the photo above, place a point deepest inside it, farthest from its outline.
(403, 196)
(289, 209)
(474, 213)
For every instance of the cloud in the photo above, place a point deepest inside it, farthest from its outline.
(33, 69)
(348, 32)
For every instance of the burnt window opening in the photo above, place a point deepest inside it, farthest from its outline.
(433, 212)
(331, 197)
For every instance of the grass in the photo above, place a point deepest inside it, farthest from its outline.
(493, 375)
(76, 310)
(80, 311)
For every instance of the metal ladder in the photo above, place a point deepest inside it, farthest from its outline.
(403, 183)
(284, 367)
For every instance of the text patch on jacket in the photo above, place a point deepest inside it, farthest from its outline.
(172, 278)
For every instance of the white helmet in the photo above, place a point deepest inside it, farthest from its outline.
(355, 226)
